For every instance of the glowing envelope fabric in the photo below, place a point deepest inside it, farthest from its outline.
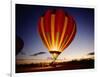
(57, 29)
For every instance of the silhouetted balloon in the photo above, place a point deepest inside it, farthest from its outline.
(57, 29)
(19, 44)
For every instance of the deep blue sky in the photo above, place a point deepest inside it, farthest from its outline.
(26, 27)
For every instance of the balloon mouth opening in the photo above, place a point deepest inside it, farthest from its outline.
(55, 51)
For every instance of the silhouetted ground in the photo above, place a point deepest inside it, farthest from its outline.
(71, 65)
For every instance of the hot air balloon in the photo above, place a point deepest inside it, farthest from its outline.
(57, 29)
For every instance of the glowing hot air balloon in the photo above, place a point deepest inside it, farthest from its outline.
(57, 29)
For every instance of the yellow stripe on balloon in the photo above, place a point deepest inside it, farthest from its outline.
(49, 40)
(69, 38)
(66, 38)
(63, 32)
(42, 28)
(57, 39)
(52, 29)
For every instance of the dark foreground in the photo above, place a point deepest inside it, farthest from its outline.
(71, 65)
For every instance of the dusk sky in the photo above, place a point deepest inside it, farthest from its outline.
(27, 17)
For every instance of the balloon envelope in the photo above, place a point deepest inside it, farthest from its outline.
(57, 29)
